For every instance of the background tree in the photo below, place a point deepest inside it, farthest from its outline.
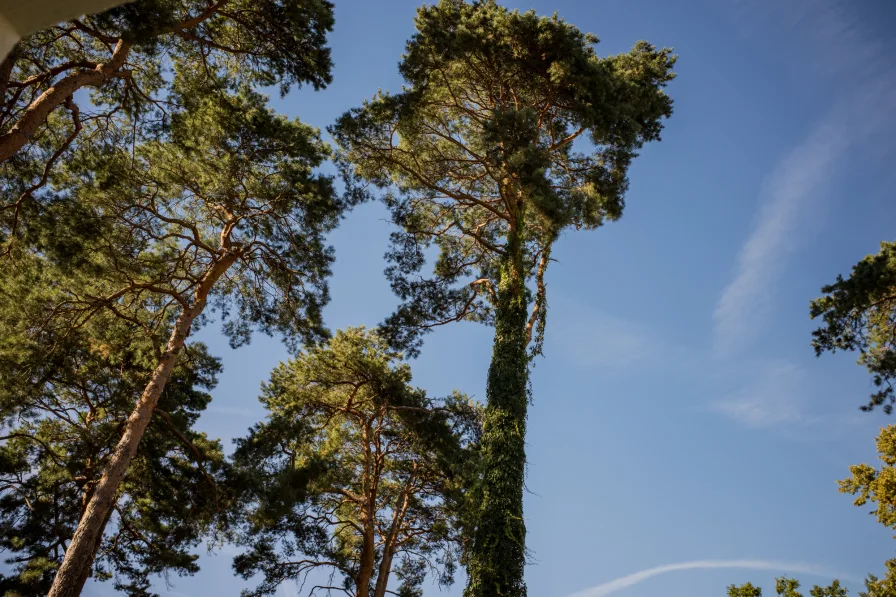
(885, 587)
(509, 130)
(878, 486)
(354, 472)
(224, 212)
(832, 590)
(787, 587)
(747, 590)
(859, 313)
(62, 417)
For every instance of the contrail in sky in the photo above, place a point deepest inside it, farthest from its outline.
(633, 579)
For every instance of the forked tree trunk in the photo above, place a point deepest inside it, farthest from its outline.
(498, 551)
(79, 556)
(35, 115)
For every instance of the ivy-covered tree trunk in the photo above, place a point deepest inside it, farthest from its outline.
(79, 556)
(509, 129)
(498, 554)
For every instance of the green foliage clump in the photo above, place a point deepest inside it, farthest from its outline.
(355, 472)
(64, 398)
(746, 590)
(133, 58)
(878, 486)
(859, 313)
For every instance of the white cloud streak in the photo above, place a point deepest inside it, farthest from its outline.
(775, 396)
(638, 577)
(835, 43)
(287, 589)
(791, 189)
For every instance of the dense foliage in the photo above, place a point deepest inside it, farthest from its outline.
(64, 398)
(788, 587)
(747, 590)
(181, 190)
(859, 313)
(878, 486)
(352, 471)
(130, 56)
(868, 484)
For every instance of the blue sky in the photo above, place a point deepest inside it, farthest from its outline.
(680, 415)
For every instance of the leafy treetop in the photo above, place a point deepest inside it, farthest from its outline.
(859, 313)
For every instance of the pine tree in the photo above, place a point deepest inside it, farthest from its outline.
(354, 472)
(510, 129)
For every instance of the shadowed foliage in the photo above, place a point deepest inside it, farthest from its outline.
(859, 313)
(64, 399)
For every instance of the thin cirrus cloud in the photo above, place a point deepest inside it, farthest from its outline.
(627, 581)
(833, 44)
(791, 191)
(773, 397)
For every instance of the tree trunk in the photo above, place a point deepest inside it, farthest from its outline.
(365, 570)
(35, 115)
(76, 566)
(382, 576)
(368, 517)
(391, 542)
(498, 552)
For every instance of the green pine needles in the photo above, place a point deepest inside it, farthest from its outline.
(510, 129)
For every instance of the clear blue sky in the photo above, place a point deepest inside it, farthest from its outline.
(680, 413)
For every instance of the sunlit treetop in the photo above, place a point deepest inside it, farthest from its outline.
(510, 129)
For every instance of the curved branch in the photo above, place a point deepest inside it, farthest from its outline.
(35, 115)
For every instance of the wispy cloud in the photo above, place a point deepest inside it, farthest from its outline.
(793, 187)
(821, 37)
(833, 42)
(755, 392)
(774, 397)
(287, 589)
(599, 339)
(632, 579)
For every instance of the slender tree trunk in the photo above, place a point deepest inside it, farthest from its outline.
(79, 556)
(35, 115)
(498, 551)
(368, 514)
(391, 542)
(365, 570)
(382, 576)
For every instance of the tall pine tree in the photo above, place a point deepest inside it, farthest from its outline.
(509, 130)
